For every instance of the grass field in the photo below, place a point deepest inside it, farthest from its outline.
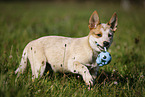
(24, 22)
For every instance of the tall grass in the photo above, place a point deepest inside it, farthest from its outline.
(23, 22)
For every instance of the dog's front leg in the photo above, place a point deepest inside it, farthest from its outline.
(81, 69)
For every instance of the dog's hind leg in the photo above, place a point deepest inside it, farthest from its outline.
(38, 63)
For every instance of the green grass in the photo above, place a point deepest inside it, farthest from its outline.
(23, 22)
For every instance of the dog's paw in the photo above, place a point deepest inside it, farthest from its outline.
(89, 81)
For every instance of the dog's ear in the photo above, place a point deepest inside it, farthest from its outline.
(94, 20)
(113, 22)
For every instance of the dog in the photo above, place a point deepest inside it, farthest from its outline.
(75, 55)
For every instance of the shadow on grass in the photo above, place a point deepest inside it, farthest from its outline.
(133, 74)
(103, 76)
(51, 74)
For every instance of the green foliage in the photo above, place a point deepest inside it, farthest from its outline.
(23, 22)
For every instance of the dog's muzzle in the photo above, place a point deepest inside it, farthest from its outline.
(105, 44)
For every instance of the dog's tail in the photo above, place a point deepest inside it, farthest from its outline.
(23, 63)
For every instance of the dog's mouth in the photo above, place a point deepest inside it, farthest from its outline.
(101, 47)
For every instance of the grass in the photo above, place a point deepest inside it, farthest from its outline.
(23, 22)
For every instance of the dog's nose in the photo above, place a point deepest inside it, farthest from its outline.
(105, 43)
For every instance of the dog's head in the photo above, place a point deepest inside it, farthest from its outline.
(101, 34)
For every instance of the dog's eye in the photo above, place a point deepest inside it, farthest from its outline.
(100, 35)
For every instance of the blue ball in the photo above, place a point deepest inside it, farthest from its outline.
(103, 58)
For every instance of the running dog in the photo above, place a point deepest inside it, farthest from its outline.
(75, 55)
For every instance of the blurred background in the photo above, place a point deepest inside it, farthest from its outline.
(126, 4)
(22, 21)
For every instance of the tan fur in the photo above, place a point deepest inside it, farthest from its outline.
(65, 54)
